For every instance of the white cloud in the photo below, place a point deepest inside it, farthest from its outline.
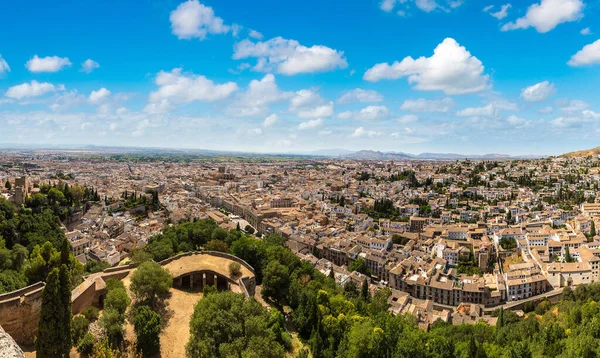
(345, 115)
(193, 20)
(361, 132)
(485, 111)
(67, 100)
(574, 106)
(99, 95)
(89, 65)
(32, 89)
(309, 104)
(270, 120)
(538, 92)
(548, 14)
(47, 64)
(590, 114)
(311, 124)
(256, 131)
(588, 55)
(162, 106)
(372, 113)
(325, 110)
(177, 87)
(516, 122)
(360, 95)
(369, 113)
(387, 5)
(451, 69)
(502, 13)
(423, 105)
(546, 110)
(255, 34)
(586, 31)
(3, 66)
(407, 118)
(488, 8)
(569, 122)
(255, 101)
(288, 57)
(426, 5)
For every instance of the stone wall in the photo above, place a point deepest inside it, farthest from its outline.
(8, 347)
(19, 312)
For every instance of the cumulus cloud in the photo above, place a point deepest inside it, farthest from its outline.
(99, 95)
(586, 31)
(538, 92)
(423, 105)
(369, 113)
(451, 69)
(574, 105)
(178, 87)
(423, 5)
(361, 132)
(3, 66)
(407, 118)
(311, 124)
(32, 89)
(309, 104)
(548, 14)
(89, 65)
(588, 55)
(270, 120)
(193, 20)
(289, 57)
(47, 64)
(360, 95)
(486, 111)
(255, 101)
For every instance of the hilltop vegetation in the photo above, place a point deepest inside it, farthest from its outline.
(583, 153)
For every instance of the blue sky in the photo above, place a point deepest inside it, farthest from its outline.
(472, 76)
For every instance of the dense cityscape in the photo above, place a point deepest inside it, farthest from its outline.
(448, 245)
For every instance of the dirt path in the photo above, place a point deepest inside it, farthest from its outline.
(180, 307)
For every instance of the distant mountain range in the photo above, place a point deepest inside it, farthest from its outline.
(583, 153)
(327, 153)
(376, 155)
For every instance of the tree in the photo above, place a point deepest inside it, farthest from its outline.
(86, 344)
(364, 291)
(147, 330)
(227, 325)
(7, 185)
(150, 281)
(217, 245)
(593, 229)
(568, 257)
(117, 299)
(359, 266)
(249, 229)
(51, 333)
(276, 281)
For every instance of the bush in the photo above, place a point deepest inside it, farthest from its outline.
(147, 330)
(117, 298)
(79, 327)
(286, 339)
(91, 313)
(234, 269)
(86, 344)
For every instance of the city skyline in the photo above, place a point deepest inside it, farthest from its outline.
(418, 76)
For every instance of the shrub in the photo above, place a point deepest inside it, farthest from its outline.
(79, 327)
(86, 344)
(91, 313)
(234, 269)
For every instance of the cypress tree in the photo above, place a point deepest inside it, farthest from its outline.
(50, 331)
(364, 290)
(65, 299)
